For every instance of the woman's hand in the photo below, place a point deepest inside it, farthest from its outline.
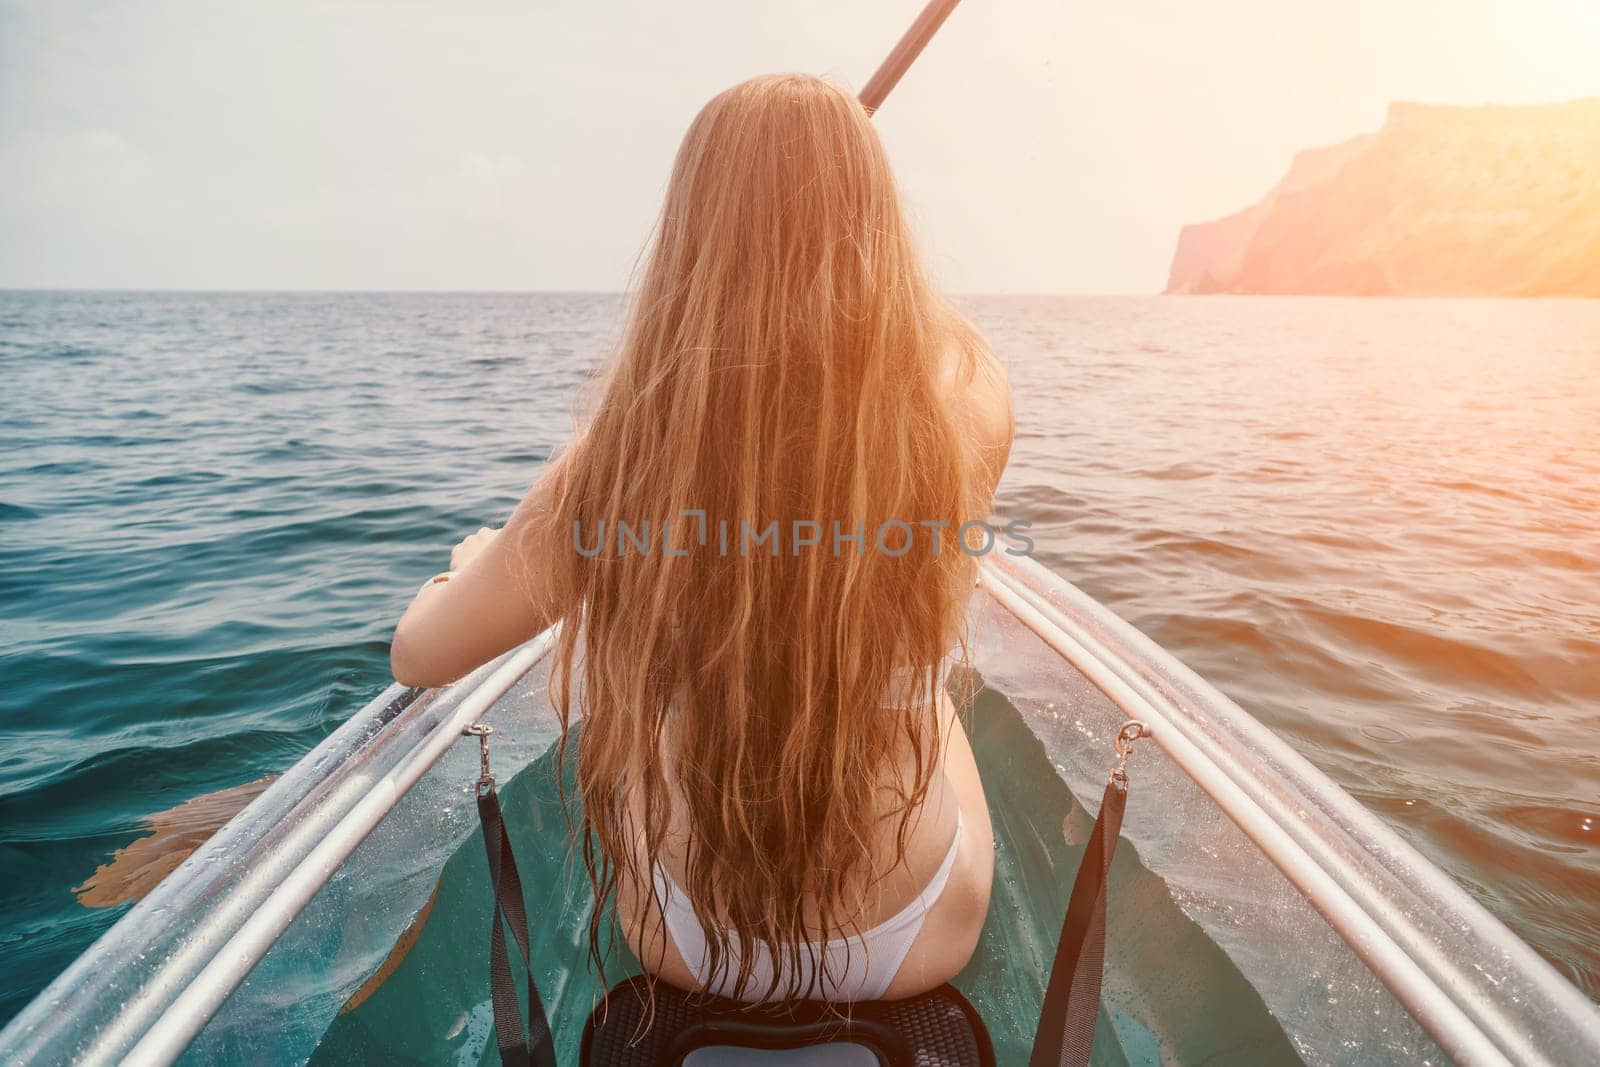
(470, 546)
(506, 593)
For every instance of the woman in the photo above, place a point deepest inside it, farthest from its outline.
(753, 546)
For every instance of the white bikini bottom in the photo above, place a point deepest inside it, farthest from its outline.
(859, 967)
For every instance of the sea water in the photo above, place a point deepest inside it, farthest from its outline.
(1375, 524)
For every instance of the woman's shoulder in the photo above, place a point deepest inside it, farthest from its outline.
(981, 390)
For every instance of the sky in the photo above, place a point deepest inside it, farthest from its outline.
(1042, 145)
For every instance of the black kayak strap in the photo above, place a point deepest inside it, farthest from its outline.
(1072, 997)
(519, 1046)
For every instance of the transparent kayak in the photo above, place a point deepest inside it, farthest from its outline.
(1258, 913)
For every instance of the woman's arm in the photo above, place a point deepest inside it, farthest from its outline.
(504, 592)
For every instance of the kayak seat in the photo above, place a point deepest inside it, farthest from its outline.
(936, 1029)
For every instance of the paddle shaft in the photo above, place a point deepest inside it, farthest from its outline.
(905, 52)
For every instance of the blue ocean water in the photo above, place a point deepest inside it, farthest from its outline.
(1374, 523)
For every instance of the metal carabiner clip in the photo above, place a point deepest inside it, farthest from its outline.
(481, 731)
(1131, 731)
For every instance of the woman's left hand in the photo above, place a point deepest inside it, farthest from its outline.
(470, 546)
(511, 596)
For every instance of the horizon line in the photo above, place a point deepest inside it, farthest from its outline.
(250, 291)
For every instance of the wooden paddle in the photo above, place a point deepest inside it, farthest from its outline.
(905, 53)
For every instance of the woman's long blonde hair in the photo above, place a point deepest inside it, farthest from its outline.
(784, 360)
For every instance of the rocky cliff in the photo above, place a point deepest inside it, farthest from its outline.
(1442, 201)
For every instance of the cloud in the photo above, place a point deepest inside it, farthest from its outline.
(483, 187)
(110, 157)
(43, 171)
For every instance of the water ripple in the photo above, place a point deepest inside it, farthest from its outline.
(1375, 524)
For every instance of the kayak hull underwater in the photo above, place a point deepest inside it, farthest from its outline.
(1258, 913)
